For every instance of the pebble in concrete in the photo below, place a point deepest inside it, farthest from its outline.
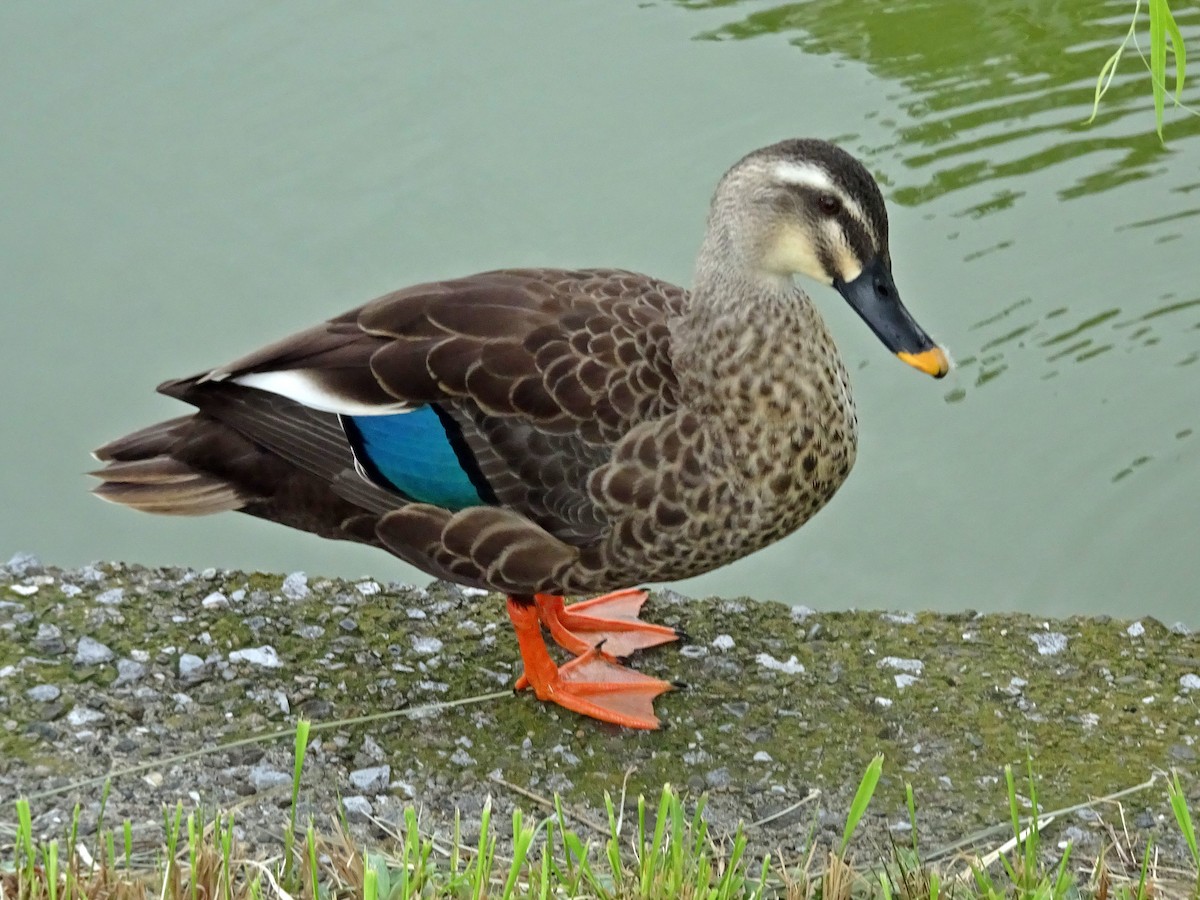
(295, 586)
(91, 652)
(263, 778)
(426, 646)
(372, 780)
(191, 667)
(1049, 643)
(358, 809)
(129, 671)
(264, 656)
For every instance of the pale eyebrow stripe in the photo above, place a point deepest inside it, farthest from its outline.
(817, 177)
(805, 175)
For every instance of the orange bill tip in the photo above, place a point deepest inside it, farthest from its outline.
(933, 362)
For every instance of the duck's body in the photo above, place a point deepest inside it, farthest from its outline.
(540, 432)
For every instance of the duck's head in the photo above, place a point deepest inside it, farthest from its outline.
(807, 207)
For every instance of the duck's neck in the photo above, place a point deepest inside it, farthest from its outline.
(751, 343)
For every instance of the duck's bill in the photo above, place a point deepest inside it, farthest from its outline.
(873, 296)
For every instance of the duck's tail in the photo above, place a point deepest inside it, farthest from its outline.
(245, 450)
(147, 470)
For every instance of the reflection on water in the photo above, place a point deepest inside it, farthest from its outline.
(1160, 220)
(1074, 340)
(1060, 337)
(1004, 89)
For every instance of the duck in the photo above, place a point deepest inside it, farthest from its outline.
(542, 433)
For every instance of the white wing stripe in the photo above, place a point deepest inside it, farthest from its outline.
(304, 387)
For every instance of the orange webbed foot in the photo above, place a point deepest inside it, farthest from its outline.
(609, 623)
(591, 685)
(601, 689)
(611, 619)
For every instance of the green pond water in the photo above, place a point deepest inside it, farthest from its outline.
(182, 182)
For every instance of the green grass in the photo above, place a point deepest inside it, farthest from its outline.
(667, 851)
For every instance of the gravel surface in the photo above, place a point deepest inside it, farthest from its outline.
(148, 675)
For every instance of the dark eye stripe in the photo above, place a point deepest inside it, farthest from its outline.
(811, 197)
(857, 236)
(828, 262)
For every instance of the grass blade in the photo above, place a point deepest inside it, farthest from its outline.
(862, 797)
(1183, 817)
(301, 748)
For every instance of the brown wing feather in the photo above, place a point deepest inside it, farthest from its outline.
(338, 352)
(480, 545)
(546, 345)
(544, 371)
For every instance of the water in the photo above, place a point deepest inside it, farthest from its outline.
(179, 184)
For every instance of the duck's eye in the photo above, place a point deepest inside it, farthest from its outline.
(829, 204)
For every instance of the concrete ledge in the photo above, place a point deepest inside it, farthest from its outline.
(113, 666)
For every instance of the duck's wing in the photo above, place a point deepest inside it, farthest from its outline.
(582, 353)
(533, 376)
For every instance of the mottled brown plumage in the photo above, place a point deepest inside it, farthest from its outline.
(563, 385)
(618, 429)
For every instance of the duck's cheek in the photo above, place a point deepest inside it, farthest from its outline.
(792, 252)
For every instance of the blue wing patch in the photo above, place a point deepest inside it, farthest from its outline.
(421, 454)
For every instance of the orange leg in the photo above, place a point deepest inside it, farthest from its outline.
(590, 685)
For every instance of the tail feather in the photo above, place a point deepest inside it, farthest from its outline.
(148, 470)
(250, 451)
(142, 475)
(146, 442)
(199, 497)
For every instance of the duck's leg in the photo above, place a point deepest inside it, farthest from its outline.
(611, 619)
(590, 685)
